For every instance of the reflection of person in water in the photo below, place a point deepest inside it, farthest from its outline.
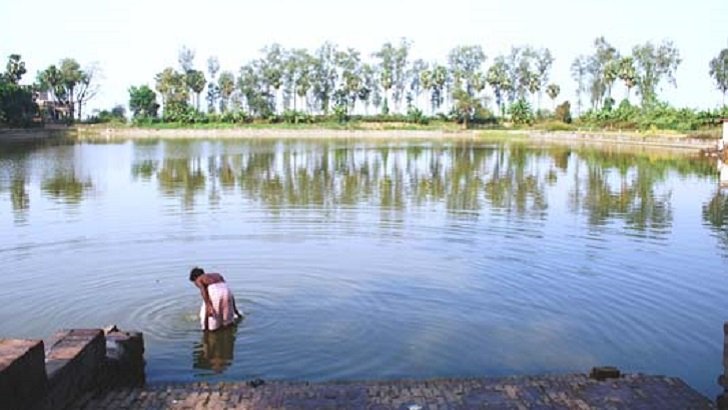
(218, 303)
(216, 351)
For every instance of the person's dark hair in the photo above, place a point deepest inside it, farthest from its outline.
(196, 273)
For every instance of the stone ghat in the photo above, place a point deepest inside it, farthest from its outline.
(575, 391)
(77, 364)
(104, 369)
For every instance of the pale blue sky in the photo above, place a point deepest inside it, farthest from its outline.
(132, 40)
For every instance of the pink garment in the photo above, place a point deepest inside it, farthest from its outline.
(222, 303)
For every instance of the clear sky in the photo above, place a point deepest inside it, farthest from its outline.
(134, 39)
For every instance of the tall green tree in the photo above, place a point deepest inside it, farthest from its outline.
(605, 58)
(63, 83)
(172, 86)
(498, 78)
(627, 73)
(439, 81)
(226, 85)
(256, 90)
(578, 72)
(521, 65)
(14, 69)
(324, 76)
(301, 66)
(143, 102)
(291, 68)
(415, 80)
(386, 56)
(195, 80)
(369, 86)
(719, 71)
(544, 61)
(17, 107)
(213, 91)
(349, 68)
(400, 70)
(465, 106)
(610, 75)
(272, 69)
(465, 63)
(654, 64)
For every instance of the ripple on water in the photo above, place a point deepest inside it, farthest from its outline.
(359, 285)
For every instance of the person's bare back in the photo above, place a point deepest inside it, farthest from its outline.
(208, 279)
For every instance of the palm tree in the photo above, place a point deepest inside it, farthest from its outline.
(427, 84)
(578, 73)
(439, 81)
(497, 77)
(226, 85)
(195, 80)
(627, 73)
(553, 91)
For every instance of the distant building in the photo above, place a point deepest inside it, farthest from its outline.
(51, 110)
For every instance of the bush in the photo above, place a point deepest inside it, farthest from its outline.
(145, 121)
(521, 112)
(296, 117)
(342, 113)
(415, 116)
(116, 115)
(234, 117)
(484, 116)
(17, 107)
(183, 113)
(381, 118)
(552, 126)
(658, 116)
(562, 112)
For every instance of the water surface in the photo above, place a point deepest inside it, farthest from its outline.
(372, 259)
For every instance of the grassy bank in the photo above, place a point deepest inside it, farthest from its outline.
(390, 131)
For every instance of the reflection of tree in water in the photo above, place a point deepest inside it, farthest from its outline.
(182, 176)
(715, 213)
(391, 178)
(227, 174)
(648, 211)
(66, 186)
(560, 156)
(633, 199)
(458, 175)
(144, 170)
(19, 194)
(14, 159)
(511, 187)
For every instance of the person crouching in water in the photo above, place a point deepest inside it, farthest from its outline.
(218, 303)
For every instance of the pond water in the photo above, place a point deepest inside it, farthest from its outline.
(372, 259)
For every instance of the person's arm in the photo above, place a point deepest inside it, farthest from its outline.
(235, 307)
(206, 299)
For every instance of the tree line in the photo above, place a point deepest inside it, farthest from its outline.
(299, 85)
